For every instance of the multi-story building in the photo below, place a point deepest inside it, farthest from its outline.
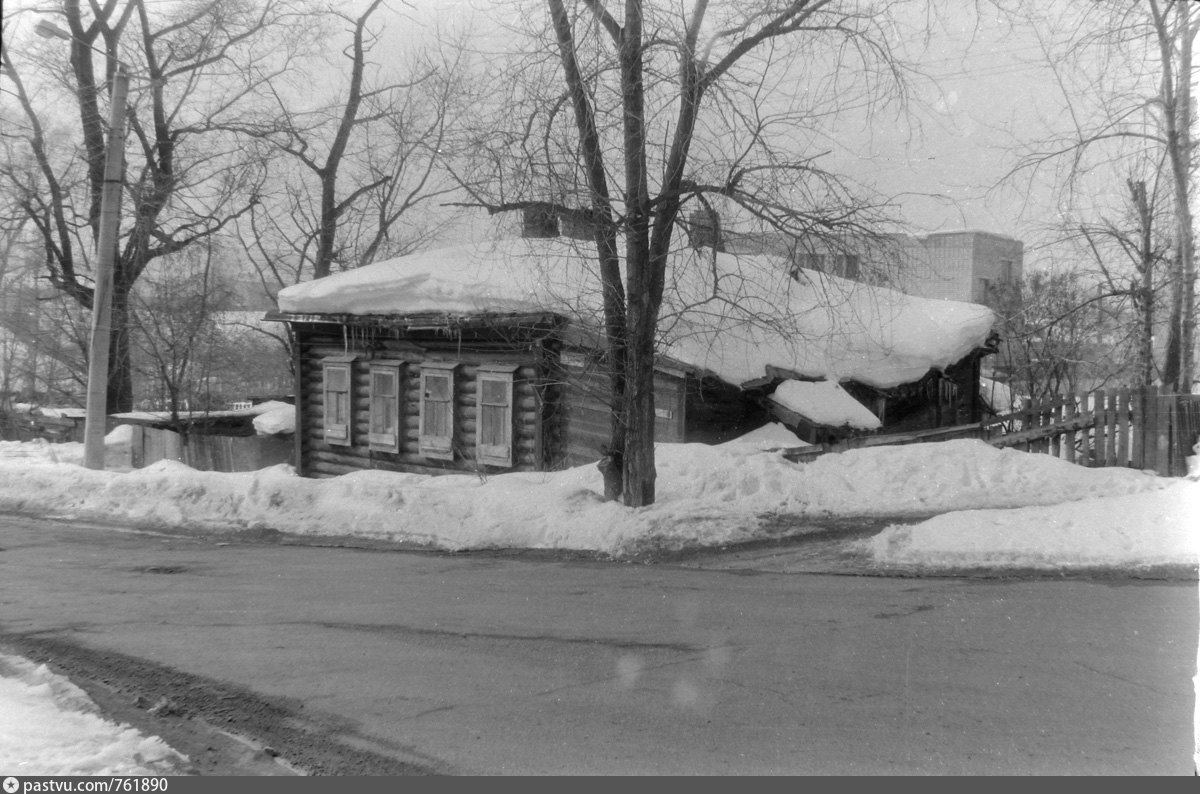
(963, 266)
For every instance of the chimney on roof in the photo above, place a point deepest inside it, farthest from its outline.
(704, 229)
(577, 224)
(539, 220)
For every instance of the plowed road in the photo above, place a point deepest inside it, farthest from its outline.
(482, 664)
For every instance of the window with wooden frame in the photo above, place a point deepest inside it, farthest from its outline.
(386, 385)
(494, 414)
(436, 437)
(337, 391)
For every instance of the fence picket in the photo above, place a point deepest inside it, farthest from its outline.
(1162, 458)
(1039, 420)
(1054, 417)
(1068, 413)
(1110, 430)
(1087, 412)
(1102, 428)
(1027, 420)
(1123, 426)
(1138, 455)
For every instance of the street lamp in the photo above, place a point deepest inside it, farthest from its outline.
(110, 206)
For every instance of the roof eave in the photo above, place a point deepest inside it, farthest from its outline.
(424, 320)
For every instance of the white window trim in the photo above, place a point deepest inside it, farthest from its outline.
(436, 446)
(495, 454)
(386, 442)
(337, 433)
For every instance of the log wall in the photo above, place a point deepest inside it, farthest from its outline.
(317, 458)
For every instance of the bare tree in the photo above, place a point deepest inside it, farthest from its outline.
(1062, 331)
(1136, 241)
(1125, 75)
(43, 341)
(357, 168)
(195, 65)
(627, 118)
(174, 311)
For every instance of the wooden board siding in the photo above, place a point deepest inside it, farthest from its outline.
(560, 400)
(319, 342)
(716, 412)
(940, 399)
(586, 420)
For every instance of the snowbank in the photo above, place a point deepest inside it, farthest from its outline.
(62, 733)
(707, 496)
(1141, 530)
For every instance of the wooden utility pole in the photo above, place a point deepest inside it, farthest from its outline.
(106, 251)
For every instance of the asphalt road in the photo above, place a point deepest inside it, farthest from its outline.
(486, 664)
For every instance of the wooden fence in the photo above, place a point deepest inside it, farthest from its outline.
(26, 427)
(1144, 428)
(208, 452)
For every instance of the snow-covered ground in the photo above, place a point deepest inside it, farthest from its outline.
(49, 726)
(994, 509)
(1001, 507)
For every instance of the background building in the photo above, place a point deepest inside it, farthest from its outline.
(966, 265)
(963, 266)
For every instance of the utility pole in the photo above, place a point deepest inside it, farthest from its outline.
(110, 216)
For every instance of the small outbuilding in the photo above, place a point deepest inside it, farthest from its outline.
(488, 357)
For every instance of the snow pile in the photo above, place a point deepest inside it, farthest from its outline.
(707, 496)
(62, 413)
(817, 325)
(62, 733)
(275, 418)
(1140, 530)
(116, 451)
(769, 436)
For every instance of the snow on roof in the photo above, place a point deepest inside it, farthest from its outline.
(825, 403)
(62, 413)
(732, 315)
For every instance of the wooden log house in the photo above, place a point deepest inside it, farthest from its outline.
(453, 362)
(435, 394)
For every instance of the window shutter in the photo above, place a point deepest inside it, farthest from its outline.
(494, 415)
(384, 409)
(337, 392)
(436, 438)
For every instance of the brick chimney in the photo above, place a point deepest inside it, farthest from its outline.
(704, 229)
(539, 220)
(577, 225)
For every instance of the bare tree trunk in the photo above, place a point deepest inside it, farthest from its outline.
(1143, 288)
(612, 465)
(642, 311)
(1172, 371)
(1175, 39)
(1189, 27)
(640, 472)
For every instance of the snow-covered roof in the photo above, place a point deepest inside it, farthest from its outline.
(825, 403)
(732, 315)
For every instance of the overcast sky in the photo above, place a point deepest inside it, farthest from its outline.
(991, 88)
